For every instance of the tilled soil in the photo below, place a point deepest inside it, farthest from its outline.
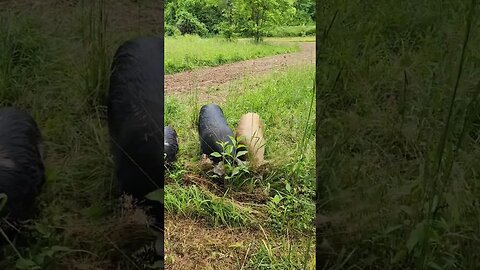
(184, 82)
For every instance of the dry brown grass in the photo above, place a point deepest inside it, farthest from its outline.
(193, 244)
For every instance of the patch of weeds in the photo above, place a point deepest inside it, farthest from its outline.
(284, 255)
(289, 210)
(191, 201)
(231, 169)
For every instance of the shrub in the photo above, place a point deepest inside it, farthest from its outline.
(189, 24)
(171, 30)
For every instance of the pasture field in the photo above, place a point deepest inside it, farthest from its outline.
(188, 52)
(398, 135)
(277, 200)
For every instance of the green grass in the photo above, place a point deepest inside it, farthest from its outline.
(189, 52)
(286, 187)
(292, 31)
(56, 66)
(282, 255)
(397, 180)
(290, 39)
(45, 69)
(194, 202)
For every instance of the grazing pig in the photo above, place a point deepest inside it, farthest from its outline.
(170, 144)
(135, 119)
(212, 127)
(250, 130)
(22, 171)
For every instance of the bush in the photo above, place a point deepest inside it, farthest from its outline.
(227, 31)
(292, 31)
(189, 24)
(171, 30)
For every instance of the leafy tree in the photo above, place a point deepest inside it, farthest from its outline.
(257, 16)
(253, 18)
(305, 11)
(189, 24)
(227, 26)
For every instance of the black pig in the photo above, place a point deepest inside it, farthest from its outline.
(170, 144)
(212, 127)
(135, 119)
(22, 172)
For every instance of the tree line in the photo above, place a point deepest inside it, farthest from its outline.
(233, 18)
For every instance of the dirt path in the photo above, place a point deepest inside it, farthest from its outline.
(181, 83)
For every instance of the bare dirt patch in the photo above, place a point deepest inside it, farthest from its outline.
(201, 79)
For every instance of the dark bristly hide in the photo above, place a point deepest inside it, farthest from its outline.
(135, 120)
(170, 144)
(22, 172)
(212, 127)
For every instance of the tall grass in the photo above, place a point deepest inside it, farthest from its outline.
(398, 180)
(98, 56)
(60, 76)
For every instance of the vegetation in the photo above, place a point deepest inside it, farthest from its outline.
(278, 197)
(398, 135)
(55, 62)
(179, 55)
(292, 31)
(247, 18)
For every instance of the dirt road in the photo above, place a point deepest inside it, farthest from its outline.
(203, 78)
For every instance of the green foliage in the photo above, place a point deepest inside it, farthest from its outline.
(227, 30)
(42, 260)
(287, 210)
(171, 30)
(397, 162)
(21, 56)
(189, 24)
(257, 16)
(292, 31)
(251, 18)
(231, 168)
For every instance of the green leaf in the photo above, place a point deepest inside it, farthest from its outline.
(216, 154)
(229, 150)
(407, 210)
(399, 256)
(235, 171)
(276, 199)
(241, 153)
(26, 264)
(3, 200)
(156, 195)
(288, 187)
(416, 236)
(393, 228)
(50, 252)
